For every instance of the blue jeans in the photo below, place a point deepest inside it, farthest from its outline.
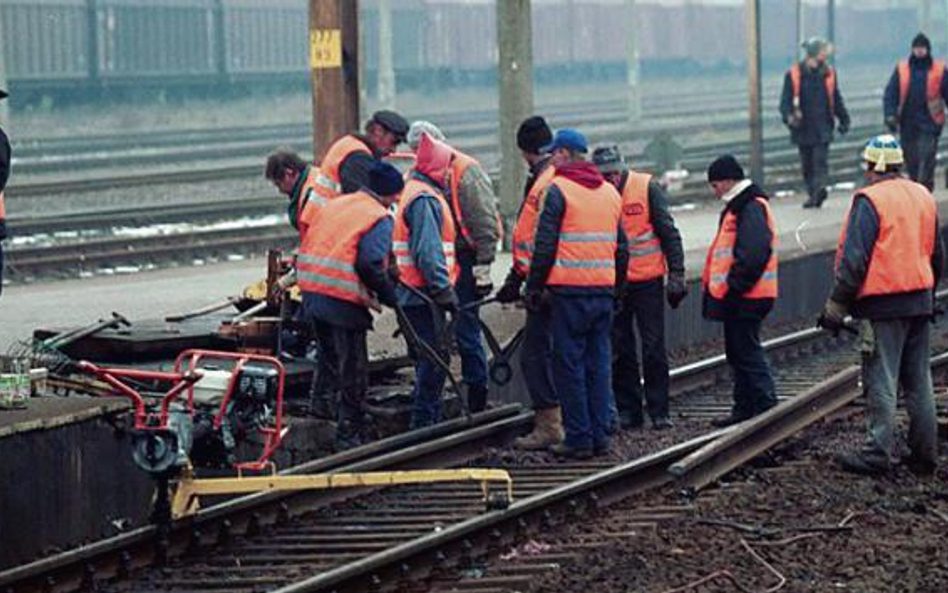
(898, 354)
(468, 330)
(536, 360)
(582, 367)
(754, 390)
(429, 379)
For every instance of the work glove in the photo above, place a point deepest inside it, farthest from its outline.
(843, 128)
(676, 290)
(794, 120)
(483, 285)
(533, 300)
(447, 300)
(892, 123)
(510, 291)
(833, 316)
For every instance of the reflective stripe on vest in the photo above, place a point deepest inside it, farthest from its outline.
(585, 253)
(721, 257)
(646, 260)
(328, 182)
(902, 254)
(829, 80)
(309, 205)
(327, 261)
(401, 238)
(526, 227)
(936, 104)
(459, 166)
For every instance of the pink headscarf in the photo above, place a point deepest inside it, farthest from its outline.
(433, 158)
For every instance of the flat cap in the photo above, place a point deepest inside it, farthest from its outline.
(391, 121)
(608, 159)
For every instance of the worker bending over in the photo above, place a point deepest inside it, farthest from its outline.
(423, 246)
(888, 263)
(296, 179)
(470, 195)
(740, 285)
(579, 261)
(343, 272)
(654, 250)
(914, 104)
(536, 350)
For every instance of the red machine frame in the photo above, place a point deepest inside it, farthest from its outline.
(182, 380)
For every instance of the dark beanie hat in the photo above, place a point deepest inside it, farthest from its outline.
(534, 134)
(725, 168)
(921, 40)
(385, 180)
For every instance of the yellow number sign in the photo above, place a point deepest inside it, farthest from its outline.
(325, 48)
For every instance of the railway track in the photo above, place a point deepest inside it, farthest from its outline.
(355, 541)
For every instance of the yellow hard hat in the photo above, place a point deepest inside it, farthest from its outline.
(882, 152)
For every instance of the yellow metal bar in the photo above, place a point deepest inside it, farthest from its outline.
(189, 489)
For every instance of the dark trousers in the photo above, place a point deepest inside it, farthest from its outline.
(326, 377)
(468, 330)
(351, 353)
(813, 161)
(429, 379)
(643, 307)
(536, 360)
(754, 390)
(920, 150)
(582, 365)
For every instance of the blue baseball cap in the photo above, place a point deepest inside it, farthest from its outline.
(570, 139)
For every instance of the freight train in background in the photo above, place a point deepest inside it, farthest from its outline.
(75, 49)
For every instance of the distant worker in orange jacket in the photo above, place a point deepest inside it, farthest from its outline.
(914, 105)
(5, 154)
(888, 263)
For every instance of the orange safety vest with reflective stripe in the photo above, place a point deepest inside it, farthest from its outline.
(936, 105)
(646, 260)
(902, 254)
(3, 209)
(408, 272)
(327, 260)
(309, 204)
(586, 250)
(459, 166)
(829, 80)
(328, 181)
(721, 258)
(525, 230)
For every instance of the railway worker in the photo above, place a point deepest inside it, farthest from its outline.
(888, 262)
(423, 246)
(809, 106)
(740, 285)
(345, 167)
(470, 195)
(5, 154)
(654, 249)
(343, 274)
(914, 104)
(296, 180)
(536, 351)
(578, 249)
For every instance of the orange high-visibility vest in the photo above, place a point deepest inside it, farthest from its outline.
(646, 260)
(309, 204)
(408, 272)
(902, 254)
(721, 257)
(936, 105)
(526, 227)
(3, 209)
(327, 260)
(459, 166)
(328, 181)
(586, 251)
(829, 80)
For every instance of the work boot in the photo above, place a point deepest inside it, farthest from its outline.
(564, 450)
(866, 464)
(630, 421)
(728, 420)
(821, 197)
(923, 468)
(348, 426)
(547, 431)
(662, 423)
(476, 398)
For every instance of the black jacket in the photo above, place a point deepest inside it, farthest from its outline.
(861, 235)
(354, 170)
(915, 117)
(752, 250)
(546, 242)
(818, 119)
(663, 224)
(5, 154)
